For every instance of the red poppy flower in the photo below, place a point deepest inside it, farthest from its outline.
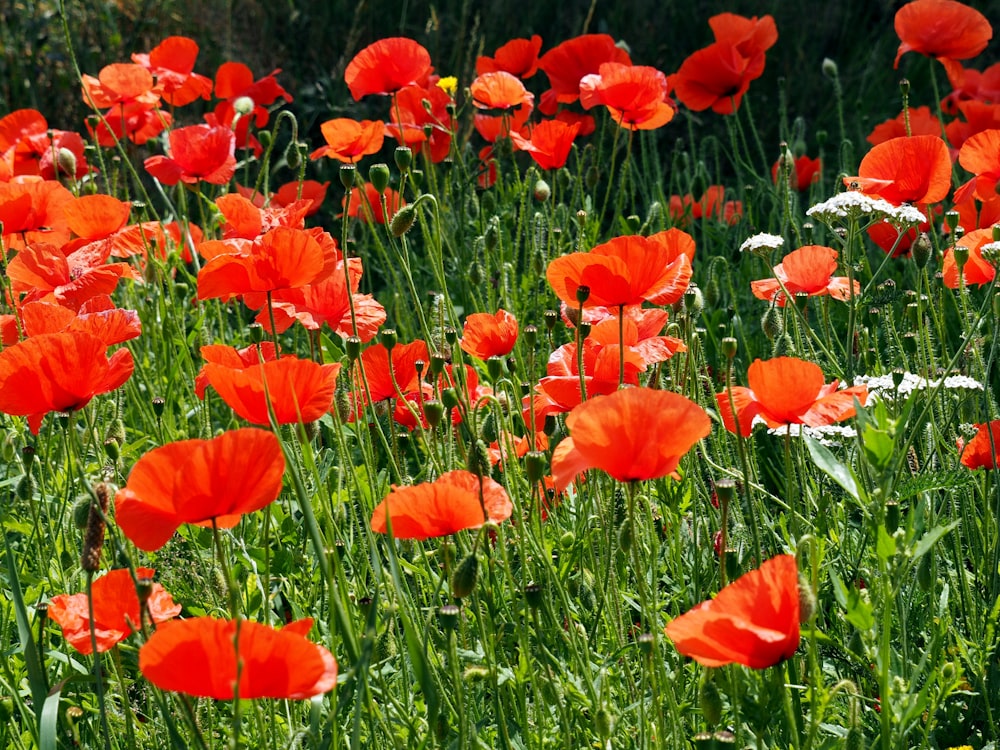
(366, 204)
(454, 501)
(306, 190)
(980, 154)
(422, 115)
(486, 335)
(120, 84)
(751, 37)
(499, 450)
(604, 435)
(197, 153)
(942, 29)
(969, 84)
(98, 317)
(922, 122)
(172, 64)
(387, 66)
(136, 122)
(348, 140)
(230, 356)
(235, 81)
(30, 147)
(199, 481)
(806, 172)
(711, 205)
(981, 451)
(635, 95)
(242, 219)
(784, 391)
(58, 372)
(33, 211)
(808, 270)
(715, 77)
(754, 621)
(973, 214)
(116, 610)
(627, 270)
(978, 117)
(197, 657)
(906, 170)
(376, 365)
(518, 57)
(567, 63)
(549, 143)
(298, 390)
(976, 270)
(43, 272)
(499, 90)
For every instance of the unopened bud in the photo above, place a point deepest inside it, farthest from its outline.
(66, 162)
(921, 250)
(710, 701)
(463, 581)
(402, 221)
(807, 600)
(542, 191)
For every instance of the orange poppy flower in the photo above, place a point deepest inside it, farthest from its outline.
(198, 153)
(635, 95)
(715, 77)
(234, 81)
(43, 272)
(784, 391)
(906, 170)
(751, 37)
(922, 122)
(292, 192)
(806, 172)
(230, 356)
(808, 270)
(299, 390)
(981, 451)
(485, 335)
(754, 621)
(116, 610)
(423, 115)
(98, 316)
(366, 203)
(197, 657)
(33, 211)
(604, 435)
(499, 450)
(199, 481)
(348, 140)
(976, 270)
(376, 365)
(387, 66)
(172, 64)
(136, 122)
(518, 57)
(30, 147)
(626, 270)
(454, 501)
(567, 63)
(58, 372)
(499, 90)
(549, 143)
(244, 220)
(941, 28)
(120, 84)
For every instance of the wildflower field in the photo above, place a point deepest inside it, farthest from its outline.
(550, 406)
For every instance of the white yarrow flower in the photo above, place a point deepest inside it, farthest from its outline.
(850, 204)
(762, 242)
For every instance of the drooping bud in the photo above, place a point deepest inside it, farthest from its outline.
(403, 220)
(921, 250)
(66, 162)
(807, 600)
(542, 191)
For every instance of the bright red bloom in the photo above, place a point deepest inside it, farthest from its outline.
(417, 109)
(298, 390)
(806, 172)
(486, 335)
(387, 66)
(348, 140)
(944, 29)
(197, 153)
(116, 610)
(306, 190)
(136, 122)
(566, 64)
(234, 81)
(42, 272)
(808, 270)
(604, 435)
(549, 144)
(58, 372)
(627, 270)
(120, 84)
(367, 204)
(242, 219)
(98, 317)
(172, 64)
(518, 57)
(635, 95)
(200, 482)
(33, 211)
(197, 657)
(784, 391)
(906, 170)
(454, 501)
(751, 37)
(715, 77)
(754, 621)
(979, 117)
(981, 451)
(711, 205)
(231, 357)
(28, 146)
(922, 122)
(976, 270)
(376, 365)
(970, 85)
(980, 154)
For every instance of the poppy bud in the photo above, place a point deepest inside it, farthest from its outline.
(478, 461)
(564, 178)
(378, 174)
(783, 346)
(404, 157)
(729, 346)
(604, 722)
(66, 162)
(492, 235)
(93, 537)
(347, 173)
(625, 535)
(855, 739)
(542, 191)
(925, 572)
(25, 487)
(112, 449)
(534, 466)
(829, 68)
(116, 432)
(463, 580)
(921, 250)
(807, 600)
(533, 595)
(772, 323)
(81, 512)
(385, 646)
(713, 292)
(402, 221)
(592, 177)
(387, 337)
(710, 700)
(293, 155)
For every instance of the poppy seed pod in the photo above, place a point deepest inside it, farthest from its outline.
(378, 174)
(403, 156)
(463, 581)
(347, 173)
(449, 615)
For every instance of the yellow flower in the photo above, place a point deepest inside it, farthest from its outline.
(448, 84)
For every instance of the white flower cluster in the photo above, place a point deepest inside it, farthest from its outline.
(762, 242)
(828, 435)
(884, 386)
(850, 204)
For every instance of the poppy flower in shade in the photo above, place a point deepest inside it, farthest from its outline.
(784, 391)
(421, 118)
(976, 270)
(981, 451)
(29, 147)
(567, 63)
(172, 64)
(978, 117)
(366, 203)
(973, 214)
(603, 435)
(804, 175)
(518, 57)
(199, 481)
(387, 66)
(942, 29)
(454, 501)
(348, 140)
(635, 95)
(906, 170)
(549, 143)
(120, 84)
(808, 270)
(712, 205)
(922, 122)
(499, 90)
(197, 657)
(626, 270)
(485, 335)
(116, 610)
(751, 37)
(715, 77)
(754, 621)
(980, 154)
(299, 390)
(136, 122)
(58, 372)
(198, 153)
(969, 84)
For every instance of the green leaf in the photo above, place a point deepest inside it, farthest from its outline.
(49, 720)
(36, 676)
(833, 468)
(859, 612)
(886, 545)
(931, 538)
